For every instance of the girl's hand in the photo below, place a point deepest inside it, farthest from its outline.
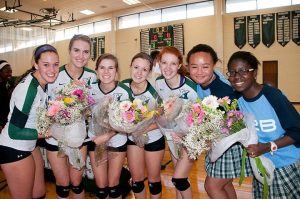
(103, 138)
(177, 137)
(255, 150)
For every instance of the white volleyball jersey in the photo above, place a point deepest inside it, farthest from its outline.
(187, 90)
(119, 93)
(64, 78)
(26, 98)
(149, 96)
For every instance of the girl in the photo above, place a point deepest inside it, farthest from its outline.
(65, 175)
(173, 83)
(107, 172)
(277, 123)
(201, 61)
(152, 153)
(20, 159)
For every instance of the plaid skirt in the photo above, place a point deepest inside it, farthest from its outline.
(286, 184)
(229, 164)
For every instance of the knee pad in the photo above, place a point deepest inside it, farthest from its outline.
(42, 197)
(114, 192)
(102, 193)
(155, 187)
(138, 187)
(62, 191)
(181, 184)
(78, 189)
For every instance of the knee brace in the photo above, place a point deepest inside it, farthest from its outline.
(138, 187)
(42, 197)
(114, 192)
(155, 187)
(62, 191)
(102, 193)
(181, 184)
(78, 189)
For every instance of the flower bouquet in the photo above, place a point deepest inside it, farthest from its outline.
(100, 125)
(167, 111)
(202, 122)
(65, 118)
(131, 118)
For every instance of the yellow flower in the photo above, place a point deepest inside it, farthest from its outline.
(68, 100)
(148, 114)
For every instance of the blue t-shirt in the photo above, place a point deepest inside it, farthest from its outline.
(275, 117)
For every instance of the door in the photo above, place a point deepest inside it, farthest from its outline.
(270, 73)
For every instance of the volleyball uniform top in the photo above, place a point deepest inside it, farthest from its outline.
(218, 87)
(64, 78)
(20, 131)
(149, 97)
(274, 117)
(119, 93)
(187, 89)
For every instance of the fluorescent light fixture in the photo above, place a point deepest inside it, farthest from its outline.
(9, 11)
(131, 2)
(87, 12)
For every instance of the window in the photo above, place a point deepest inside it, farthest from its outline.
(200, 9)
(294, 2)
(59, 35)
(262, 4)
(86, 29)
(173, 13)
(102, 26)
(70, 32)
(151, 17)
(240, 5)
(128, 21)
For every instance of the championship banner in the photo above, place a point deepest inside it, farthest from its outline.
(296, 26)
(283, 27)
(94, 48)
(253, 29)
(268, 29)
(240, 31)
(101, 45)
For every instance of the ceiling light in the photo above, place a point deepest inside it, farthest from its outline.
(131, 2)
(87, 12)
(9, 11)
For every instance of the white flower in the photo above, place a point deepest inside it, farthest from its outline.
(125, 105)
(211, 101)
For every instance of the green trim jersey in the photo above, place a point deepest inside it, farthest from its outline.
(20, 131)
(64, 78)
(149, 96)
(119, 93)
(187, 90)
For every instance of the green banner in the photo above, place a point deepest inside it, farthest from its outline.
(283, 27)
(296, 26)
(101, 45)
(240, 31)
(253, 29)
(268, 29)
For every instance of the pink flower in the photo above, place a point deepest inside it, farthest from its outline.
(189, 119)
(201, 115)
(79, 93)
(53, 109)
(226, 99)
(196, 108)
(91, 100)
(128, 116)
(125, 105)
(225, 131)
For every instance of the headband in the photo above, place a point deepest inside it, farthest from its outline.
(3, 64)
(42, 49)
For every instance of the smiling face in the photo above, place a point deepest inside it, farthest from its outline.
(169, 66)
(107, 71)
(242, 83)
(139, 70)
(201, 67)
(47, 68)
(5, 73)
(80, 53)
